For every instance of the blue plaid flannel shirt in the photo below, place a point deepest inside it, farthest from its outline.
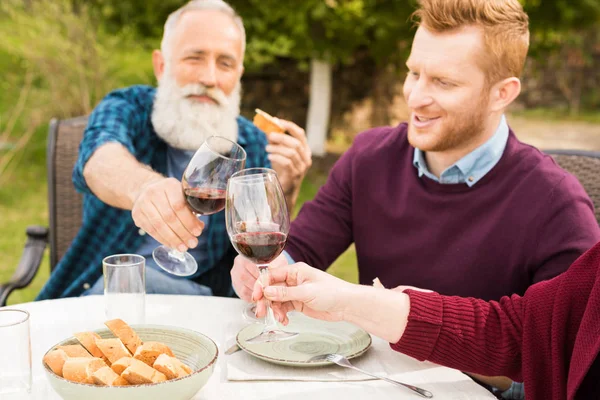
(124, 116)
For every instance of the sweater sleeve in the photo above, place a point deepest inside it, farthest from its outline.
(545, 339)
(464, 333)
(323, 228)
(566, 229)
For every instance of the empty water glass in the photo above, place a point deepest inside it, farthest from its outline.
(125, 287)
(15, 353)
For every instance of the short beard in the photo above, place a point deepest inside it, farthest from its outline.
(185, 124)
(466, 128)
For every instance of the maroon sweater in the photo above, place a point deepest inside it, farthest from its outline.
(525, 221)
(549, 338)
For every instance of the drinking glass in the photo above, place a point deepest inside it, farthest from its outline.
(258, 222)
(15, 352)
(125, 287)
(204, 184)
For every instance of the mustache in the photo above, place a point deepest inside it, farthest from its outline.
(198, 89)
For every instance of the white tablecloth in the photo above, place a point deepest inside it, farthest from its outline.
(220, 319)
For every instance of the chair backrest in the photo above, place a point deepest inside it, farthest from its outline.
(585, 165)
(64, 202)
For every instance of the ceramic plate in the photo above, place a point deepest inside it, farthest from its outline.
(315, 338)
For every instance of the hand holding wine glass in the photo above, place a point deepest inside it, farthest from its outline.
(204, 185)
(258, 223)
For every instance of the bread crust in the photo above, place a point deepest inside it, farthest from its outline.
(88, 341)
(105, 376)
(81, 369)
(124, 332)
(171, 367)
(55, 360)
(266, 122)
(121, 364)
(75, 350)
(113, 349)
(141, 373)
(149, 352)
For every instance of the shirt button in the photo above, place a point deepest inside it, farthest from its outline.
(141, 232)
(86, 286)
(471, 179)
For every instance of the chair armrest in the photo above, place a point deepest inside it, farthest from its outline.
(37, 238)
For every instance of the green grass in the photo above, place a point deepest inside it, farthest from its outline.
(23, 202)
(345, 267)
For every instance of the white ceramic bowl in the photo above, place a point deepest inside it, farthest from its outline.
(196, 350)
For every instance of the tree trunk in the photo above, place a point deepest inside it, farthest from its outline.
(384, 81)
(319, 106)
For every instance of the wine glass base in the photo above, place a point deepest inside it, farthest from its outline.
(249, 313)
(275, 335)
(175, 262)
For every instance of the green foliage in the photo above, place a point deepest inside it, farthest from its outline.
(330, 29)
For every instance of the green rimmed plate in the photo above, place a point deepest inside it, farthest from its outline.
(315, 338)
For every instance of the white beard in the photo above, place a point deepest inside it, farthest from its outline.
(184, 123)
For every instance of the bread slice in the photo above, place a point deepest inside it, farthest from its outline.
(171, 367)
(122, 363)
(124, 332)
(81, 369)
(139, 373)
(105, 377)
(266, 122)
(75, 350)
(88, 340)
(149, 352)
(120, 381)
(55, 360)
(113, 349)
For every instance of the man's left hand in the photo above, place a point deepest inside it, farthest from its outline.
(290, 157)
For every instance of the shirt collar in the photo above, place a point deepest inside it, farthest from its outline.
(474, 166)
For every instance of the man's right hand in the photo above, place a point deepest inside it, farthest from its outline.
(161, 211)
(245, 273)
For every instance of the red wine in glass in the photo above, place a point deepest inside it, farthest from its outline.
(205, 201)
(204, 184)
(259, 247)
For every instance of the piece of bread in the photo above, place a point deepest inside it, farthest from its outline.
(55, 360)
(266, 122)
(377, 283)
(113, 349)
(122, 363)
(140, 373)
(120, 381)
(171, 367)
(124, 332)
(105, 377)
(149, 352)
(75, 350)
(88, 340)
(81, 369)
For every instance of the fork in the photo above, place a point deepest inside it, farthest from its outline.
(344, 362)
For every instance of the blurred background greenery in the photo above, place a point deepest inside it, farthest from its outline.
(58, 58)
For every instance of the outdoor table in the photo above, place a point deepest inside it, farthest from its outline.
(220, 319)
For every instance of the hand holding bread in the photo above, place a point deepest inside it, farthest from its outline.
(288, 152)
(123, 360)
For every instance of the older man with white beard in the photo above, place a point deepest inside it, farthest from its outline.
(138, 142)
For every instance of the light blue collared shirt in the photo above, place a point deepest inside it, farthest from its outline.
(472, 167)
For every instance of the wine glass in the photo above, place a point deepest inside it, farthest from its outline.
(204, 185)
(258, 222)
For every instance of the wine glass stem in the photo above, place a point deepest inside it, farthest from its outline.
(270, 321)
